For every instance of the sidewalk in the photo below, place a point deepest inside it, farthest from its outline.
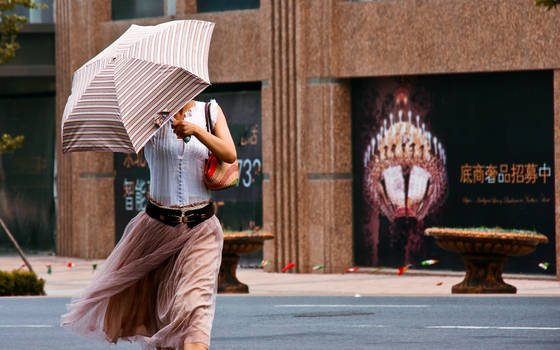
(67, 281)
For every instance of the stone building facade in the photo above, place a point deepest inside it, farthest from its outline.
(303, 53)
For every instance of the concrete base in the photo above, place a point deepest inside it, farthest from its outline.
(227, 279)
(484, 275)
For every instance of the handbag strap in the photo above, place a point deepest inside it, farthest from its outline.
(207, 115)
(208, 122)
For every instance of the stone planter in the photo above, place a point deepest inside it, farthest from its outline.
(235, 244)
(484, 253)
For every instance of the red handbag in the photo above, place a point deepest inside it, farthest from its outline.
(218, 175)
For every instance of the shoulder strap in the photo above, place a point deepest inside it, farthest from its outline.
(208, 120)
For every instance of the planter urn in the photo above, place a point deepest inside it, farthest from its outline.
(237, 243)
(484, 252)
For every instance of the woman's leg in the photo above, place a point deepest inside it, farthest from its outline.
(195, 346)
(188, 346)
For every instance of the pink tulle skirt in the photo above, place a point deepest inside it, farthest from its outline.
(158, 286)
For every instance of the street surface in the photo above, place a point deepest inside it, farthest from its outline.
(296, 322)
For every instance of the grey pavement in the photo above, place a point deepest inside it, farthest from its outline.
(376, 322)
(67, 281)
(324, 323)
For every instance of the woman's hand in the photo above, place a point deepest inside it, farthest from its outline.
(220, 143)
(183, 128)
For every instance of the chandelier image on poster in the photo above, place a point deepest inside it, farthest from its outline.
(405, 165)
(405, 174)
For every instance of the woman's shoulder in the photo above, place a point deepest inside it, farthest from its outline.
(214, 107)
(212, 103)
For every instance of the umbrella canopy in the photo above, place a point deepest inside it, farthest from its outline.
(123, 95)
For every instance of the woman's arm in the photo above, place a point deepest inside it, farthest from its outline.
(221, 143)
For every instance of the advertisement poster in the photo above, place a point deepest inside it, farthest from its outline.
(238, 208)
(461, 150)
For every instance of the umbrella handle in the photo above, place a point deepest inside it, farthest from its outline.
(187, 138)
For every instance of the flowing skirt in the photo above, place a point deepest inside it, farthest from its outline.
(158, 286)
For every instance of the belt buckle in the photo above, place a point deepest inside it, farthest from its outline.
(192, 217)
(185, 218)
(176, 218)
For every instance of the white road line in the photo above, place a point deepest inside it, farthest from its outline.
(342, 305)
(26, 326)
(497, 327)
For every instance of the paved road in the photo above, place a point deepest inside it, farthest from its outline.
(278, 323)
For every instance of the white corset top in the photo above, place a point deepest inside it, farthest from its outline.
(175, 166)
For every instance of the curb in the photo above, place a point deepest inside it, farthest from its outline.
(448, 273)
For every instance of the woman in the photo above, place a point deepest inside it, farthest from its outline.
(159, 284)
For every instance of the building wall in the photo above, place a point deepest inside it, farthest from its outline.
(426, 37)
(303, 52)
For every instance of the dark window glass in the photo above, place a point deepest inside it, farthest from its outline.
(127, 9)
(30, 44)
(27, 205)
(226, 5)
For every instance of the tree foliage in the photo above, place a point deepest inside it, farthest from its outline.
(10, 26)
(9, 143)
(549, 4)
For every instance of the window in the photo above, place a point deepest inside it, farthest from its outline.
(128, 9)
(226, 5)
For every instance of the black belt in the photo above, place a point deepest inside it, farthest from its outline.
(173, 217)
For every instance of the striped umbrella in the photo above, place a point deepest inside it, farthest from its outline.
(123, 95)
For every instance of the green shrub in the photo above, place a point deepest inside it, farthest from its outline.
(21, 283)
(6, 283)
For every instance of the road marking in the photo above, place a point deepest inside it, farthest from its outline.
(342, 305)
(26, 326)
(497, 327)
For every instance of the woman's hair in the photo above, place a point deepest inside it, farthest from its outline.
(185, 108)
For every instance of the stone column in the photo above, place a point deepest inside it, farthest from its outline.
(84, 181)
(327, 190)
(307, 188)
(185, 7)
(327, 146)
(281, 137)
